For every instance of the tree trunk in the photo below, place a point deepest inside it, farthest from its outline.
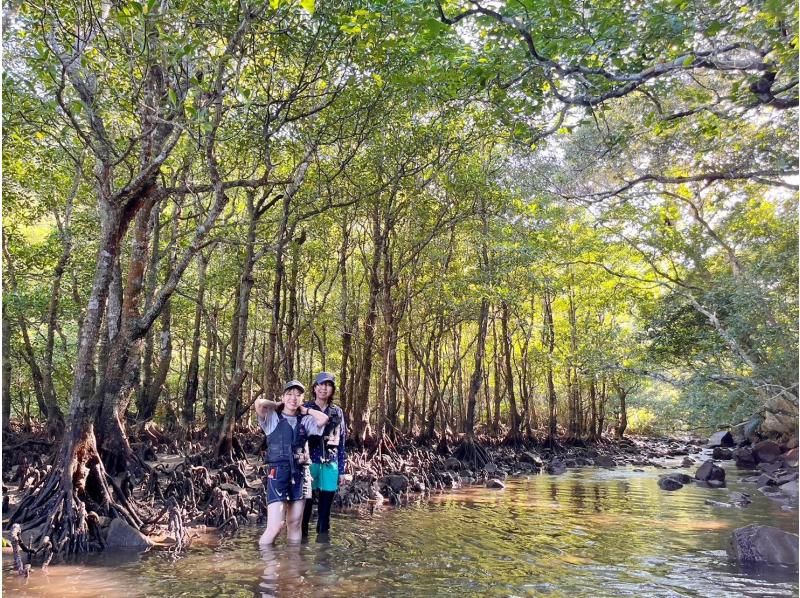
(514, 432)
(361, 411)
(6, 370)
(42, 381)
(549, 340)
(192, 375)
(209, 386)
(239, 340)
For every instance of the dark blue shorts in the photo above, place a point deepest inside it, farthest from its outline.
(281, 485)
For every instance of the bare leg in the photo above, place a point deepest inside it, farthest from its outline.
(275, 516)
(294, 520)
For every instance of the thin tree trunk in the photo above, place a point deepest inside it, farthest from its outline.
(514, 434)
(192, 375)
(549, 340)
(477, 373)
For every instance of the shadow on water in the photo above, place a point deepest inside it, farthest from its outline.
(586, 533)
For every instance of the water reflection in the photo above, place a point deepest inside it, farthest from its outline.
(586, 533)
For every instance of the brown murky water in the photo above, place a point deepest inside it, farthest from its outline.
(586, 533)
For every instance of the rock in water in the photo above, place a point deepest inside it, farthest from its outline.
(722, 454)
(744, 457)
(494, 483)
(605, 461)
(669, 482)
(532, 458)
(708, 472)
(740, 499)
(766, 451)
(763, 544)
(789, 488)
(556, 467)
(721, 438)
(122, 535)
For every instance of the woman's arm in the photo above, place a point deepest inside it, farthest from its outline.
(319, 417)
(263, 407)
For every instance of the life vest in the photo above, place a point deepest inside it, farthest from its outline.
(286, 444)
(328, 443)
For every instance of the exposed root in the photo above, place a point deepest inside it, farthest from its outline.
(471, 453)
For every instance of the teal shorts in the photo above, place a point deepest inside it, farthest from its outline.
(325, 476)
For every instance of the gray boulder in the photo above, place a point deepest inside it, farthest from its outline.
(722, 454)
(766, 451)
(605, 461)
(790, 457)
(744, 458)
(721, 438)
(673, 481)
(496, 484)
(789, 488)
(708, 472)
(763, 544)
(122, 535)
(556, 467)
(532, 458)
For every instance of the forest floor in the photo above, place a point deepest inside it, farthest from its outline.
(183, 495)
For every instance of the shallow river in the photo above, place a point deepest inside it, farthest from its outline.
(591, 532)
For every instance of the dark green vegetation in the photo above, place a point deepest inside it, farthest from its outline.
(533, 219)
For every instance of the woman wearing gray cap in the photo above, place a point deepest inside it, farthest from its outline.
(287, 426)
(327, 453)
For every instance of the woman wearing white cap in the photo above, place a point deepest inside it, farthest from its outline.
(287, 425)
(327, 453)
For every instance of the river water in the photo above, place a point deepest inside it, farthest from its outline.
(591, 532)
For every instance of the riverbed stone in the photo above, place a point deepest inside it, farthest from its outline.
(666, 482)
(605, 461)
(790, 457)
(763, 544)
(708, 472)
(721, 453)
(765, 480)
(530, 457)
(740, 499)
(766, 451)
(556, 467)
(780, 418)
(495, 484)
(744, 458)
(792, 443)
(721, 438)
(769, 467)
(122, 535)
(789, 488)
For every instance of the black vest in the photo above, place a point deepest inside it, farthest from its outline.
(284, 442)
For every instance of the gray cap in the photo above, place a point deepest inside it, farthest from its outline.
(294, 384)
(324, 377)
